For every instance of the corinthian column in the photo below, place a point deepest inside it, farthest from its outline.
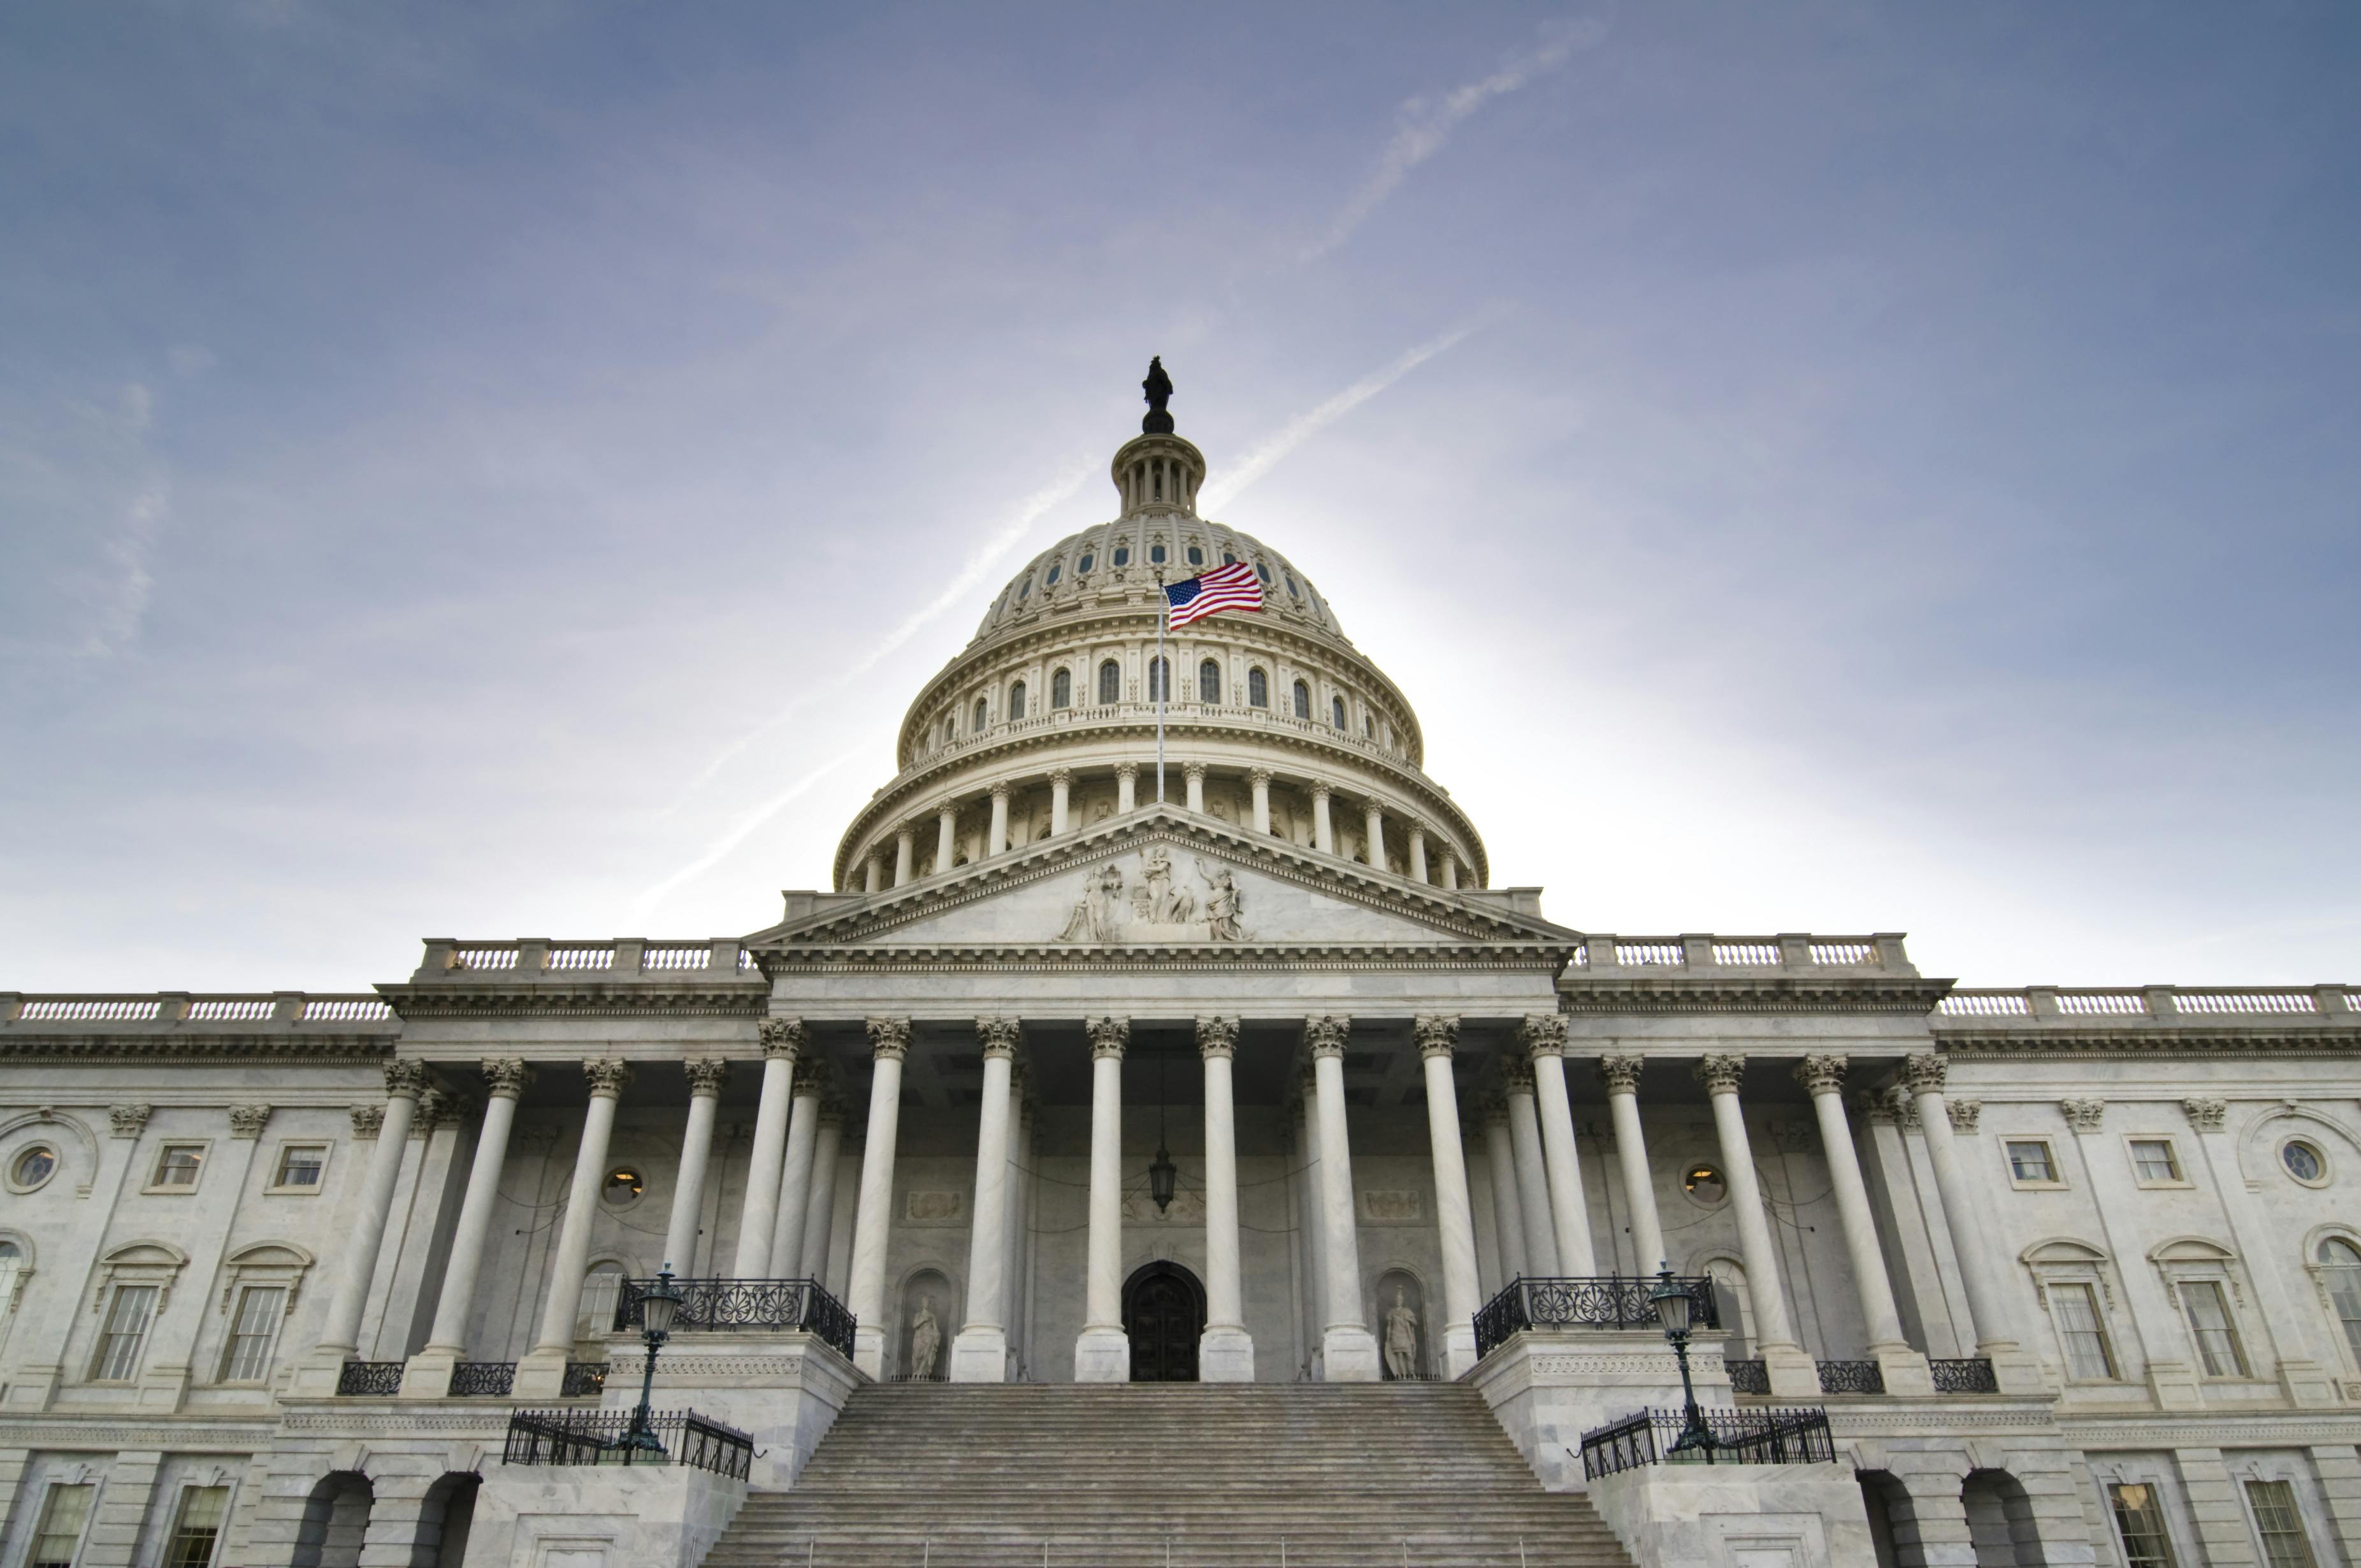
(782, 1039)
(1791, 1371)
(904, 853)
(996, 841)
(889, 1041)
(1126, 788)
(1533, 1181)
(820, 1207)
(1904, 1369)
(794, 1169)
(340, 1335)
(1260, 779)
(946, 838)
(980, 1354)
(1062, 791)
(1348, 1352)
(1544, 1035)
(1983, 1273)
(1417, 849)
(1623, 1076)
(1323, 832)
(1508, 1214)
(706, 1077)
(1102, 1352)
(542, 1371)
(428, 1376)
(1194, 772)
(1225, 1353)
(1454, 1218)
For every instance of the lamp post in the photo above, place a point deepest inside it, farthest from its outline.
(1161, 1171)
(1673, 1303)
(656, 1311)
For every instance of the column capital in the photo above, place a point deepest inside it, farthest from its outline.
(1000, 790)
(1193, 771)
(129, 1121)
(1108, 1036)
(1417, 826)
(1128, 770)
(1517, 1074)
(783, 1037)
(1491, 1110)
(997, 1036)
(1621, 1073)
(909, 830)
(2085, 1115)
(1326, 1036)
(508, 1076)
(405, 1080)
(1217, 1038)
(247, 1121)
(2207, 1115)
(1062, 776)
(706, 1076)
(1259, 777)
(1319, 790)
(1925, 1071)
(1821, 1074)
(1965, 1113)
(606, 1074)
(1543, 1033)
(1720, 1074)
(889, 1039)
(368, 1122)
(1437, 1034)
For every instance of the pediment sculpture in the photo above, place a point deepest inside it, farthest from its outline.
(1159, 905)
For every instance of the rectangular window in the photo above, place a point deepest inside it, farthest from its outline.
(2154, 1160)
(127, 1325)
(300, 1165)
(2030, 1161)
(64, 1513)
(2089, 1357)
(177, 1166)
(2285, 1545)
(2209, 1320)
(2139, 1516)
(202, 1510)
(247, 1358)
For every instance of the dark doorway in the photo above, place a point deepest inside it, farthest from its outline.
(1164, 1313)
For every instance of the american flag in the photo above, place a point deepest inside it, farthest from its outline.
(1234, 587)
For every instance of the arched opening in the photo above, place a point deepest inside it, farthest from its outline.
(1164, 1313)
(1735, 1303)
(2000, 1520)
(1016, 702)
(1061, 689)
(334, 1523)
(930, 1317)
(2340, 1270)
(1109, 683)
(982, 716)
(1336, 711)
(1302, 700)
(594, 1318)
(1160, 681)
(1258, 689)
(1892, 1524)
(1209, 683)
(1401, 1317)
(445, 1520)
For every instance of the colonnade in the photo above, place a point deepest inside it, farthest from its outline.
(1536, 1185)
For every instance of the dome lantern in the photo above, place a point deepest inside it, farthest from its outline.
(1157, 470)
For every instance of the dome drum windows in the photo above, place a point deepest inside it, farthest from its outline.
(1209, 683)
(1109, 683)
(1196, 556)
(1061, 689)
(1049, 578)
(1302, 700)
(1123, 555)
(1258, 689)
(1156, 554)
(1083, 567)
(1015, 702)
(1336, 711)
(982, 716)
(1160, 681)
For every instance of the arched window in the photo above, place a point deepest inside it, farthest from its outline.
(1264, 572)
(1368, 726)
(1302, 700)
(1123, 555)
(1160, 681)
(1024, 592)
(596, 1315)
(982, 716)
(1209, 681)
(1156, 554)
(11, 1263)
(1196, 556)
(1082, 566)
(2340, 1267)
(1258, 689)
(1336, 711)
(1016, 702)
(1109, 683)
(1291, 591)
(1229, 558)
(1050, 576)
(1061, 689)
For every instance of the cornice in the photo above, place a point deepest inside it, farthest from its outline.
(1535, 958)
(1870, 993)
(134, 1429)
(2211, 1429)
(482, 998)
(37, 1044)
(2052, 1043)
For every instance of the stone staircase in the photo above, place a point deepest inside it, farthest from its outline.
(1138, 1476)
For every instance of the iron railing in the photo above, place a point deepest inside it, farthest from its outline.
(1851, 1377)
(1964, 1375)
(709, 1305)
(1798, 1436)
(1748, 1376)
(583, 1379)
(1616, 1301)
(596, 1437)
(375, 1379)
(482, 1379)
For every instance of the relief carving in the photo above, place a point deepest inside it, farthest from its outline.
(1156, 907)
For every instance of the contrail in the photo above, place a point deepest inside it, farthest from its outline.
(979, 566)
(1302, 429)
(645, 904)
(1426, 123)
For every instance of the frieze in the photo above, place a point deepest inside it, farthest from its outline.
(1535, 958)
(934, 1207)
(674, 1370)
(1579, 994)
(1404, 1207)
(81, 1432)
(324, 1050)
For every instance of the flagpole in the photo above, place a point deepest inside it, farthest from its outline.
(1161, 675)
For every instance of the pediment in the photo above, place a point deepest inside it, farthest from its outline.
(1164, 881)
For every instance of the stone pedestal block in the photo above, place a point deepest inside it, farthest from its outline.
(1725, 1516)
(980, 1355)
(1225, 1356)
(1102, 1355)
(1349, 1354)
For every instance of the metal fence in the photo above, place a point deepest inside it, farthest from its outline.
(374, 1379)
(1748, 1376)
(1614, 1302)
(1797, 1436)
(483, 1378)
(596, 1437)
(718, 1305)
(1851, 1377)
(1964, 1375)
(583, 1380)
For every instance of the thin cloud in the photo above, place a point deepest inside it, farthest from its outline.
(1425, 124)
(645, 904)
(1263, 458)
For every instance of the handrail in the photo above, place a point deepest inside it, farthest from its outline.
(718, 1305)
(1610, 1301)
(596, 1437)
(1797, 1436)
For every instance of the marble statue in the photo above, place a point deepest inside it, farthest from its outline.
(926, 1342)
(1167, 905)
(1098, 917)
(1223, 904)
(1402, 1337)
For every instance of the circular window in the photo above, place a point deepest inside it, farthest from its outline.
(1704, 1183)
(2304, 1162)
(623, 1185)
(33, 1167)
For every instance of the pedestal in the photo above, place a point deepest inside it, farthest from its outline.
(1225, 1356)
(427, 1375)
(1792, 1374)
(1904, 1370)
(1458, 1351)
(1102, 1355)
(540, 1376)
(980, 1355)
(869, 1350)
(1349, 1354)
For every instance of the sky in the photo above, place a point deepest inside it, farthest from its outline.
(493, 471)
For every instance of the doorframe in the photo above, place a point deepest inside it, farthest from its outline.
(1164, 1268)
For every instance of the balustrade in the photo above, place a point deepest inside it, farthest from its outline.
(1739, 1437)
(596, 1437)
(718, 1305)
(1613, 1302)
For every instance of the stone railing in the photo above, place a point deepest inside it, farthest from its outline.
(236, 1012)
(2165, 1006)
(620, 958)
(1194, 715)
(1703, 954)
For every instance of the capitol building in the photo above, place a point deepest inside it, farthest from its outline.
(1165, 1021)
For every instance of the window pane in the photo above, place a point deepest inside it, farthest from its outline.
(1110, 682)
(1209, 681)
(177, 1165)
(2209, 1319)
(2030, 1162)
(1302, 700)
(1061, 689)
(249, 1357)
(202, 1510)
(301, 1167)
(2281, 1527)
(1258, 689)
(2140, 1518)
(2088, 1354)
(62, 1517)
(2340, 1268)
(2153, 1159)
(126, 1324)
(1160, 679)
(599, 1288)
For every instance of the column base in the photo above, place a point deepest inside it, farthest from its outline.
(1794, 1375)
(1225, 1355)
(540, 1376)
(1102, 1355)
(1458, 1351)
(980, 1354)
(869, 1350)
(1348, 1354)
(1904, 1370)
(317, 1375)
(2305, 1383)
(2015, 1372)
(427, 1375)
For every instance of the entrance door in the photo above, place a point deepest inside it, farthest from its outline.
(1164, 1313)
